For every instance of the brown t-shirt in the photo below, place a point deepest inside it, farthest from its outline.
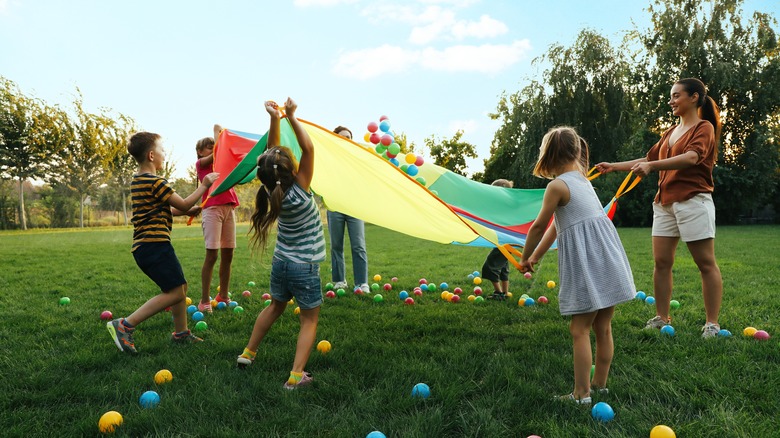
(683, 184)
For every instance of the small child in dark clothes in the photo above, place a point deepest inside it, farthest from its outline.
(496, 266)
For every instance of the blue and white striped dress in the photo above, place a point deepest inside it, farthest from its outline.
(592, 264)
(300, 238)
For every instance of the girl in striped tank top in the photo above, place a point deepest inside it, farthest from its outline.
(285, 198)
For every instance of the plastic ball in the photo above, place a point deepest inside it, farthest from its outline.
(421, 180)
(197, 316)
(410, 158)
(214, 303)
(233, 304)
(471, 297)
(423, 281)
(376, 434)
(297, 310)
(477, 290)
(357, 290)
(192, 309)
(324, 347)
(106, 315)
(341, 292)
(394, 279)
(64, 301)
(246, 294)
(372, 127)
(479, 299)
(524, 296)
(377, 277)
(550, 284)
(454, 298)
(543, 300)
(384, 126)
(421, 390)
(409, 301)
(381, 150)
(477, 280)
(457, 290)
(602, 412)
(444, 286)
(291, 302)
(330, 294)
(674, 304)
(527, 275)
(149, 399)
(418, 292)
(723, 333)
(378, 298)
(662, 431)
(424, 287)
(412, 170)
(367, 137)
(431, 287)
(329, 286)
(201, 326)
(374, 286)
(419, 161)
(188, 300)
(387, 286)
(386, 140)
(403, 295)
(667, 330)
(267, 303)
(529, 302)
(592, 371)
(448, 295)
(640, 296)
(394, 149)
(650, 300)
(110, 421)
(383, 118)
(521, 302)
(221, 305)
(749, 331)
(266, 296)
(761, 335)
(162, 376)
(374, 138)
(250, 284)
(470, 276)
(509, 294)
(238, 309)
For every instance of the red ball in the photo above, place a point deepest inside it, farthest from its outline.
(387, 286)
(383, 118)
(419, 161)
(409, 300)
(106, 315)
(330, 294)
(455, 298)
(527, 275)
(543, 300)
(457, 291)
(423, 281)
(374, 138)
(246, 294)
(266, 296)
(372, 127)
(386, 140)
(477, 290)
(394, 279)
(418, 292)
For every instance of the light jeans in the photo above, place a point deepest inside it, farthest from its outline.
(357, 240)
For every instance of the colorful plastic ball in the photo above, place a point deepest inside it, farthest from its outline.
(409, 158)
(529, 302)
(374, 138)
(524, 296)
(749, 331)
(324, 347)
(403, 295)
(421, 180)
(238, 309)
(723, 333)
(246, 294)
(384, 126)
(149, 399)
(394, 279)
(162, 376)
(110, 421)
(357, 290)
(192, 309)
(376, 434)
(374, 286)
(457, 291)
(443, 295)
(534, 436)
(64, 301)
(412, 170)
(267, 303)
(188, 300)
(297, 310)
(417, 292)
(477, 280)
(592, 371)
(394, 161)
(201, 326)
(448, 295)
(106, 315)
(432, 287)
(454, 298)
(197, 316)
(521, 302)
(477, 290)
(386, 140)
(470, 276)
(761, 335)
(266, 296)
(233, 304)
(387, 286)
(662, 431)
(291, 302)
(667, 330)
(419, 161)
(409, 301)
(674, 304)
(424, 287)
(543, 300)
(471, 297)
(602, 412)
(650, 300)
(377, 277)
(221, 305)
(372, 127)
(550, 284)
(394, 148)
(330, 294)
(329, 286)
(341, 292)
(423, 281)
(640, 296)
(421, 390)
(527, 275)
(214, 303)
(444, 286)
(509, 294)
(250, 284)
(378, 298)
(479, 299)
(367, 137)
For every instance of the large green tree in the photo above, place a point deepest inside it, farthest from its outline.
(451, 153)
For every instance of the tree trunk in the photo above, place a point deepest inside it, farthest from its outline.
(22, 217)
(81, 211)
(124, 207)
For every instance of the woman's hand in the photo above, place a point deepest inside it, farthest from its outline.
(273, 109)
(290, 106)
(642, 169)
(605, 168)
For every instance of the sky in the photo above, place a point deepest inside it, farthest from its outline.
(177, 67)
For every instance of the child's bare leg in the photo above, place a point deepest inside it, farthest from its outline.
(605, 348)
(226, 259)
(306, 338)
(497, 287)
(179, 311)
(580, 332)
(263, 323)
(159, 303)
(504, 286)
(206, 273)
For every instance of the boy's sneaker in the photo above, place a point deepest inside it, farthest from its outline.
(244, 361)
(657, 323)
(599, 391)
(710, 330)
(586, 401)
(365, 288)
(189, 338)
(498, 296)
(305, 380)
(205, 307)
(340, 285)
(123, 337)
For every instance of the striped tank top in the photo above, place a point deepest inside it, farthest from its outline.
(152, 218)
(300, 238)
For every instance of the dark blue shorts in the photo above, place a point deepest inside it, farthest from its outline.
(299, 280)
(159, 262)
(496, 267)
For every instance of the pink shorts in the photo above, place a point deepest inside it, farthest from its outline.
(219, 227)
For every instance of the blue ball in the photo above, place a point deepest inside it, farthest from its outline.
(421, 390)
(233, 304)
(395, 162)
(412, 170)
(641, 295)
(403, 295)
(475, 273)
(529, 302)
(384, 126)
(444, 286)
(221, 305)
(376, 434)
(192, 309)
(650, 300)
(197, 316)
(667, 330)
(723, 333)
(424, 287)
(470, 276)
(149, 399)
(602, 412)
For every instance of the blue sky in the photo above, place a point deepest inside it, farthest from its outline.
(177, 67)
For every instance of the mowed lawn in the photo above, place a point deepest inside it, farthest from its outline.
(492, 367)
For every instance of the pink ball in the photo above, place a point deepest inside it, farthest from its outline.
(527, 275)
(394, 279)
(106, 315)
(418, 292)
(357, 291)
(423, 281)
(374, 138)
(246, 294)
(409, 300)
(387, 286)
(419, 161)
(457, 291)
(372, 127)
(330, 294)
(386, 140)
(266, 296)
(477, 290)
(534, 436)
(383, 118)
(761, 335)
(543, 300)
(455, 298)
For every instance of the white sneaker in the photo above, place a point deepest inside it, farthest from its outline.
(710, 330)
(365, 288)
(656, 323)
(340, 285)
(570, 398)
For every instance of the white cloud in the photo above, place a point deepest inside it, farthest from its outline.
(486, 27)
(486, 58)
(324, 3)
(4, 4)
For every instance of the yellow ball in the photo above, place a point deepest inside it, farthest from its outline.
(297, 310)
(214, 304)
(323, 347)
(217, 289)
(551, 284)
(472, 297)
(110, 421)
(188, 300)
(509, 294)
(662, 431)
(410, 158)
(521, 302)
(749, 332)
(163, 376)
(449, 296)
(443, 295)
(477, 280)
(377, 277)
(291, 302)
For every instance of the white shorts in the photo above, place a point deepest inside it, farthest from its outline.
(219, 227)
(689, 220)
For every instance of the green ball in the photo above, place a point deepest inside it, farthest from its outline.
(329, 286)
(421, 180)
(404, 167)
(201, 326)
(341, 292)
(592, 370)
(524, 296)
(238, 309)
(250, 284)
(267, 303)
(479, 299)
(230, 295)
(378, 298)
(64, 301)
(374, 287)
(674, 304)
(431, 286)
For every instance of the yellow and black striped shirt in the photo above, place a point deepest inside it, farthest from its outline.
(152, 218)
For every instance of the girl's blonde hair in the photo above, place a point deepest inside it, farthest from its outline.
(276, 170)
(561, 146)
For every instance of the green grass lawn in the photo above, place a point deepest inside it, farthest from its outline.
(492, 367)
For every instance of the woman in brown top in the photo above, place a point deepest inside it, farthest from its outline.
(683, 207)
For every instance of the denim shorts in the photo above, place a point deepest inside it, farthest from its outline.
(159, 262)
(299, 280)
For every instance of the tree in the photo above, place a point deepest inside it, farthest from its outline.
(120, 164)
(406, 145)
(451, 153)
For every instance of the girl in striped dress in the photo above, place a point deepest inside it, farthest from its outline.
(592, 264)
(285, 198)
